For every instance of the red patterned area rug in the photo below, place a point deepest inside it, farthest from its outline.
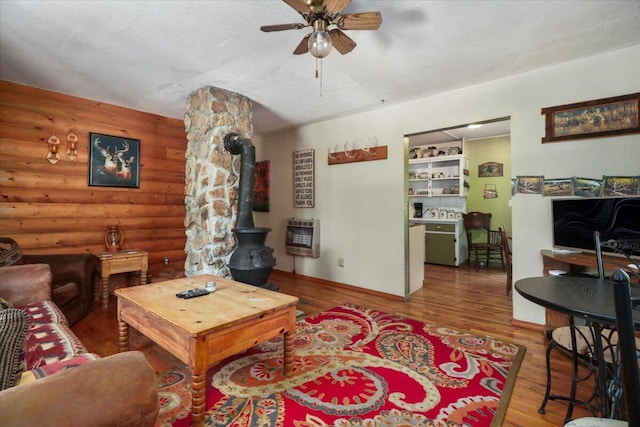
(356, 367)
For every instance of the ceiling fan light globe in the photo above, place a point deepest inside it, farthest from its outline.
(320, 44)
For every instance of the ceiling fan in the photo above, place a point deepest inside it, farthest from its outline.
(322, 15)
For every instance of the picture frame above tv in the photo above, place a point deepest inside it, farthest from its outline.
(618, 115)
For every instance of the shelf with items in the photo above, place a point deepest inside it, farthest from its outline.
(440, 176)
(439, 150)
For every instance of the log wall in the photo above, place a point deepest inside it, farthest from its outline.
(51, 208)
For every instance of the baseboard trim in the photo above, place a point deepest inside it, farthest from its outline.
(527, 325)
(324, 282)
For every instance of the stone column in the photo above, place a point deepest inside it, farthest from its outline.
(211, 177)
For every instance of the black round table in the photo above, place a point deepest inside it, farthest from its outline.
(585, 297)
(581, 297)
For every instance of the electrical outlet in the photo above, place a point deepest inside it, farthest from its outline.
(340, 262)
(166, 260)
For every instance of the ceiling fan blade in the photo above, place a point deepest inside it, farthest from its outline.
(303, 47)
(281, 27)
(341, 41)
(360, 21)
(298, 5)
(333, 7)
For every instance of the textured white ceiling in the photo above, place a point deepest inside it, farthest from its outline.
(150, 55)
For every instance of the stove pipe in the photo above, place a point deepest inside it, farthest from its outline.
(252, 261)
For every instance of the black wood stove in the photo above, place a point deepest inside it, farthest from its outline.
(252, 261)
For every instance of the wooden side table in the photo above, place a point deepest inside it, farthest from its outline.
(118, 262)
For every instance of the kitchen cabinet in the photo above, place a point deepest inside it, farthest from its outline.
(441, 176)
(444, 241)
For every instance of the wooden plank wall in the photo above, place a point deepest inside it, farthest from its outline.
(51, 208)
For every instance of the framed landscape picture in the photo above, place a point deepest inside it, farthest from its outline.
(620, 186)
(558, 187)
(617, 115)
(114, 161)
(587, 187)
(529, 184)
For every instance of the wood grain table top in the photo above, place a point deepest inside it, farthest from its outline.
(233, 302)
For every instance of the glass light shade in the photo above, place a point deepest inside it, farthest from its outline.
(320, 44)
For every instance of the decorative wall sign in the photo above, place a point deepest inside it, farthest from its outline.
(114, 161)
(261, 190)
(618, 115)
(558, 187)
(490, 191)
(303, 178)
(490, 169)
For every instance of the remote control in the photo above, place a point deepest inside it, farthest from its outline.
(192, 293)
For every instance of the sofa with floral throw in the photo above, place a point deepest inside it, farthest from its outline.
(72, 281)
(46, 375)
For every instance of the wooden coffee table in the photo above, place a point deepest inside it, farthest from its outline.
(205, 330)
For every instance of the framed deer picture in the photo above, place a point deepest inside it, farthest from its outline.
(114, 161)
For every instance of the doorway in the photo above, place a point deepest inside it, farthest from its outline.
(486, 148)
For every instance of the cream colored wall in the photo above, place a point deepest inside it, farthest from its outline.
(361, 206)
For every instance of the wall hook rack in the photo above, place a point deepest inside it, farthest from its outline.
(357, 155)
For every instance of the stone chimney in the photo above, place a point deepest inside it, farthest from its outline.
(211, 177)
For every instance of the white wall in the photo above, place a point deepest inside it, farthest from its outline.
(361, 205)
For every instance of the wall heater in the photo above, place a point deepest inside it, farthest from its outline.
(303, 237)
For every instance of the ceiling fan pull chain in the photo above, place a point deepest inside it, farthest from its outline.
(321, 75)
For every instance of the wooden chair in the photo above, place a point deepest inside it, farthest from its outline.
(506, 251)
(628, 357)
(481, 240)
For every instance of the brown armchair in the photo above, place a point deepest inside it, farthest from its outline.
(72, 284)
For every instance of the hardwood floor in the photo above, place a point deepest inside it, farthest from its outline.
(457, 297)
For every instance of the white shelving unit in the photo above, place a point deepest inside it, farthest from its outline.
(442, 176)
(439, 180)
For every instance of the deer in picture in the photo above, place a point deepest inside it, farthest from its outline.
(110, 160)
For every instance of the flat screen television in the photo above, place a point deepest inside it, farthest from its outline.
(575, 220)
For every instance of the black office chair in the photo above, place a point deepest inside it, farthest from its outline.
(627, 357)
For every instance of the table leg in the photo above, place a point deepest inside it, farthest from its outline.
(601, 374)
(96, 288)
(288, 343)
(105, 292)
(143, 277)
(198, 388)
(288, 352)
(123, 336)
